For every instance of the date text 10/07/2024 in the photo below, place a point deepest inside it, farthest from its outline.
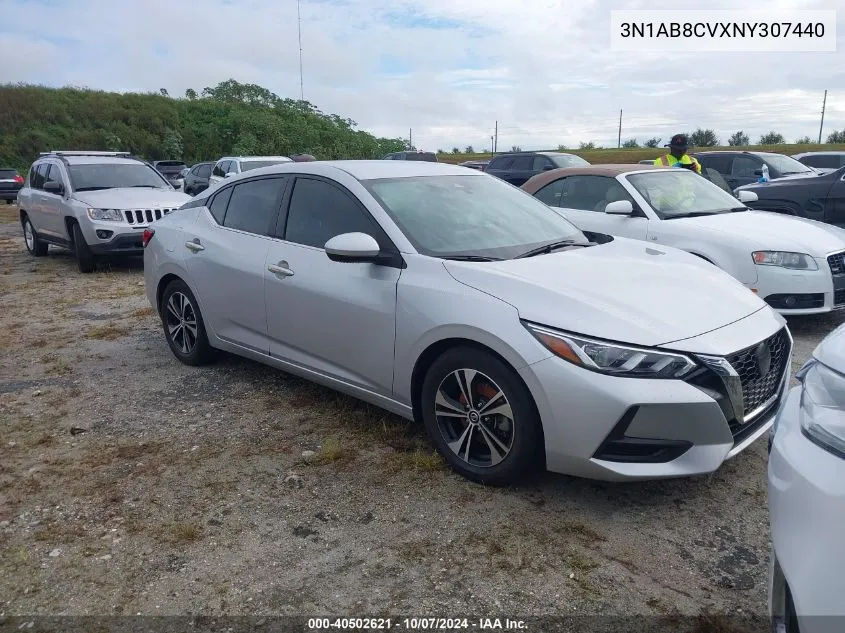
(431, 624)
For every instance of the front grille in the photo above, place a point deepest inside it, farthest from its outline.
(145, 216)
(836, 263)
(761, 368)
(838, 297)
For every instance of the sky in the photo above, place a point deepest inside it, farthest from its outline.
(447, 70)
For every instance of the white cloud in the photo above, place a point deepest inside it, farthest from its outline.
(543, 69)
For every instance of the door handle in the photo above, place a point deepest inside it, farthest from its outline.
(194, 245)
(280, 269)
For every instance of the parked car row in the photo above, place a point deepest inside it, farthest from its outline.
(570, 324)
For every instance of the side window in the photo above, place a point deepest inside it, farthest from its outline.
(319, 211)
(502, 162)
(253, 206)
(722, 164)
(523, 163)
(39, 175)
(822, 160)
(234, 166)
(219, 203)
(540, 163)
(592, 193)
(54, 175)
(204, 171)
(745, 166)
(551, 193)
(218, 168)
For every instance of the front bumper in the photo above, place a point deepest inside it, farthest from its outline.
(117, 238)
(807, 512)
(611, 428)
(797, 292)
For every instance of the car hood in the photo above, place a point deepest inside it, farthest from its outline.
(624, 291)
(774, 231)
(132, 198)
(783, 181)
(831, 351)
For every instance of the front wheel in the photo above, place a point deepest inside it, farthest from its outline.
(481, 417)
(183, 325)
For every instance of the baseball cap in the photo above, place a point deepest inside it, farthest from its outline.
(680, 141)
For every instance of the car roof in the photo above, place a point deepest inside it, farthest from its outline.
(611, 170)
(369, 169)
(93, 160)
(741, 151)
(827, 153)
(249, 158)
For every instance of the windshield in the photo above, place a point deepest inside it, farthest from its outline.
(89, 177)
(170, 165)
(568, 160)
(246, 165)
(786, 164)
(677, 193)
(469, 215)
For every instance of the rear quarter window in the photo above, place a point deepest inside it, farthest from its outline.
(500, 163)
(8, 173)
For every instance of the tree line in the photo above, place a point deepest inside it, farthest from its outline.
(228, 119)
(708, 138)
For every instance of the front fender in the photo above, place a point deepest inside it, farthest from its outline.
(727, 259)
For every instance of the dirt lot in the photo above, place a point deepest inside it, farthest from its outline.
(132, 484)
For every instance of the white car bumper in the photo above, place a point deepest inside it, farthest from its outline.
(807, 512)
(799, 291)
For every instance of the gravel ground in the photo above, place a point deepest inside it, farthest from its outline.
(130, 484)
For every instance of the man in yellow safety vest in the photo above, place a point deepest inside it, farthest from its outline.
(677, 156)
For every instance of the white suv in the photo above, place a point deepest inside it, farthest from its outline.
(233, 165)
(94, 203)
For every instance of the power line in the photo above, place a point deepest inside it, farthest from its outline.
(299, 28)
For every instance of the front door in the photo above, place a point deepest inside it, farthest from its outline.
(225, 253)
(338, 319)
(583, 200)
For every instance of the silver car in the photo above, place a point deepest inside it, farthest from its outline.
(450, 297)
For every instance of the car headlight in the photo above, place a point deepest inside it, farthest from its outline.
(784, 259)
(823, 406)
(112, 215)
(612, 358)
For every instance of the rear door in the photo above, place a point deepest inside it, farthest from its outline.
(521, 170)
(35, 203)
(225, 253)
(499, 165)
(743, 170)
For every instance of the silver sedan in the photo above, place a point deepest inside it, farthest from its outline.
(452, 298)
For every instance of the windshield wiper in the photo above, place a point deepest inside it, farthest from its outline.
(471, 258)
(91, 188)
(691, 214)
(548, 248)
(147, 186)
(737, 209)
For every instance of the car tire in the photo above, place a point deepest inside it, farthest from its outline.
(34, 245)
(497, 449)
(184, 328)
(84, 257)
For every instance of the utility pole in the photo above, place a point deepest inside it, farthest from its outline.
(619, 141)
(491, 145)
(496, 138)
(410, 138)
(299, 28)
(821, 125)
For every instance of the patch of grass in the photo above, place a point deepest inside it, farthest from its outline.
(108, 332)
(143, 312)
(332, 450)
(182, 533)
(58, 532)
(582, 532)
(9, 213)
(417, 460)
(416, 551)
(39, 342)
(58, 367)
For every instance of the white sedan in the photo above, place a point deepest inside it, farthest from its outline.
(796, 265)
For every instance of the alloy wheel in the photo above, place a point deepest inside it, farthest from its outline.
(181, 322)
(29, 235)
(474, 417)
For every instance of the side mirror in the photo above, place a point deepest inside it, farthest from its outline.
(54, 187)
(758, 172)
(747, 196)
(352, 248)
(229, 174)
(548, 167)
(620, 207)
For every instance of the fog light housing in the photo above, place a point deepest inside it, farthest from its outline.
(104, 235)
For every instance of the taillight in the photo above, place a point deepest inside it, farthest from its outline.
(19, 179)
(147, 236)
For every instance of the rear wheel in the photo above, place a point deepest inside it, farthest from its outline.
(35, 246)
(84, 257)
(183, 325)
(481, 417)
